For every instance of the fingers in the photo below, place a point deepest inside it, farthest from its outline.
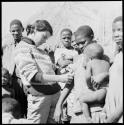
(57, 118)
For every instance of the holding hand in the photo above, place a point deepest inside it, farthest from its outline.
(67, 78)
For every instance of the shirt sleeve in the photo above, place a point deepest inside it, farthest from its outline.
(25, 63)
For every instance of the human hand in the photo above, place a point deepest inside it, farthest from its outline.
(58, 114)
(70, 68)
(67, 78)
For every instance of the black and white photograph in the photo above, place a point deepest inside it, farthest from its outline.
(50, 73)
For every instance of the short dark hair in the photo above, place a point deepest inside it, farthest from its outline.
(85, 30)
(43, 25)
(66, 29)
(119, 18)
(17, 22)
(11, 105)
(29, 29)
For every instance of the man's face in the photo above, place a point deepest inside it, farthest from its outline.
(81, 42)
(66, 38)
(16, 31)
(117, 33)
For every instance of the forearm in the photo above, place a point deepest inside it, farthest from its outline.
(52, 78)
(115, 116)
(42, 78)
(94, 96)
(63, 96)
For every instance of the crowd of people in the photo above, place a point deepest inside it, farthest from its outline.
(74, 83)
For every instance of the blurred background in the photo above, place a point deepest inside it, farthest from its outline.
(98, 14)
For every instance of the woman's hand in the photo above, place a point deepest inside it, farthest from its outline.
(67, 78)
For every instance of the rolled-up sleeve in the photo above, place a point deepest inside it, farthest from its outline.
(25, 63)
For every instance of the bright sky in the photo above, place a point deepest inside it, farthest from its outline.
(24, 10)
(18, 10)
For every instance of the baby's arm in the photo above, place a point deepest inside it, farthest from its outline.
(88, 74)
(100, 79)
(92, 97)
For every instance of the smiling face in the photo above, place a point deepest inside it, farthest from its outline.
(66, 38)
(117, 33)
(16, 31)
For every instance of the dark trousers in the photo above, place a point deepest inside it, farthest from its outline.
(20, 94)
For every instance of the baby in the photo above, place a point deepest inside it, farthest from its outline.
(97, 80)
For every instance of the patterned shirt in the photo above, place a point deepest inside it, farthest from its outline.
(31, 60)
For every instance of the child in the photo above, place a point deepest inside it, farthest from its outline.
(96, 68)
(64, 56)
(7, 91)
(11, 112)
(81, 38)
(114, 98)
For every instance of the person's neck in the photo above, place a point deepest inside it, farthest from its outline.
(17, 41)
(69, 47)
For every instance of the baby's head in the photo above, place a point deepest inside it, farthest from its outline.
(94, 50)
(66, 36)
(10, 105)
(5, 77)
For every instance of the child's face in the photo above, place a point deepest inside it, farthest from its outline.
(66, 38)
(117, 33)
(16, 31)
(82, 42)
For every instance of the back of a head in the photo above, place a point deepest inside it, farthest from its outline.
(94, 50)
(85, 31)
(43, 25)
(10, 105)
